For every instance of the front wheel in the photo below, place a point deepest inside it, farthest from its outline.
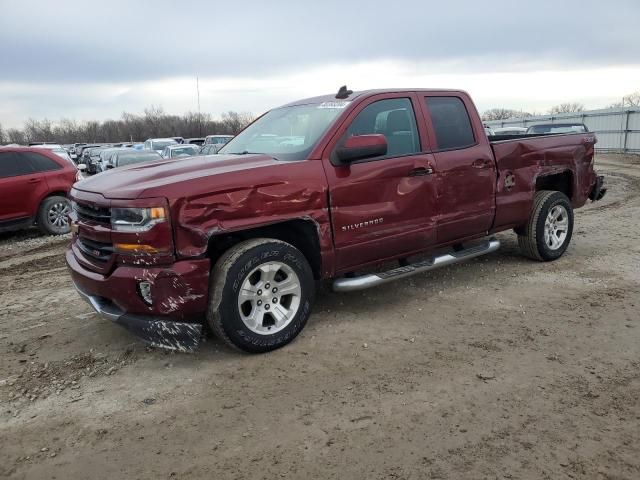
(53, 215)
(260, 295)
(548, 232)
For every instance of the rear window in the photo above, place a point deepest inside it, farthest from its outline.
(40, 163)
(139, 157)
(451, 123)
(185, 150)
(161, 144)
(13, 164)
(538, 129)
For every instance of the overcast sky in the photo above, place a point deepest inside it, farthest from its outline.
(95, 59)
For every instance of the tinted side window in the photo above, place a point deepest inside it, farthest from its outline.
(40, 163)
(12, 164)
(451, 122)
(394, 118)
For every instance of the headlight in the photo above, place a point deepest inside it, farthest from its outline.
(136, 219)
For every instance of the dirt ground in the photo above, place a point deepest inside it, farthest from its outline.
(498, 368)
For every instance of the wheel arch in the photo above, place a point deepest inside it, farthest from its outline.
(54, 193)
(300, 233)
(558, 181)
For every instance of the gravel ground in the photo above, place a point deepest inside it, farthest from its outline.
(497, 368)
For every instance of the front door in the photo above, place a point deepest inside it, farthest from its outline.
(382, 207)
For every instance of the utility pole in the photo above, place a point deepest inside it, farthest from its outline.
(622, 129)
(199, 114)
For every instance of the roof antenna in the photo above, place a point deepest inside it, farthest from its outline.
(343, 92)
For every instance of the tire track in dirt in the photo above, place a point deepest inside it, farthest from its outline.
(632, 187)
(40, 263)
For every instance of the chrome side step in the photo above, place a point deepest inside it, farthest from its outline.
(374, 279)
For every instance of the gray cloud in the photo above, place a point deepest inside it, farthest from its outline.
(93, 59)
(136, 41)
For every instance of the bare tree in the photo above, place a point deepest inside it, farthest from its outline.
(2, 137)
(569, 107)
(233, 122)
(16, 136)
(153, 122)
(503, 114)
(631, 100)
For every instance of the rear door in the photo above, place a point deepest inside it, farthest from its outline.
(466, 168)
(20, 185)
(382, 207)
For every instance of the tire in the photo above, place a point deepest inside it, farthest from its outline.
(53, 215)
(548, 232)
(242, 313)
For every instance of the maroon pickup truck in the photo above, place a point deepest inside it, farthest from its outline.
(323, 188)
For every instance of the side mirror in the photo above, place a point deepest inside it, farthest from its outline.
(362, 146)
(82, 167)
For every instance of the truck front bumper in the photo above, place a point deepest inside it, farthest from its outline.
(173, 321)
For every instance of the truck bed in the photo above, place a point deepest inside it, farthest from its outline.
(524, 160)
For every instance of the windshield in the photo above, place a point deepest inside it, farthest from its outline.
(287, 133)
(137, 157)
(159, 145)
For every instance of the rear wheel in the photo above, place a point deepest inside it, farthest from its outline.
(548, 232)
(53, 215)
(260, 295)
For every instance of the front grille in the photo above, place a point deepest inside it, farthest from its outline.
(98, 251)
(92, 213)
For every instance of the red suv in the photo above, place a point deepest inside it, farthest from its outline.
(34, 183)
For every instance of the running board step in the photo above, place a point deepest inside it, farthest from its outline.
(351, 284)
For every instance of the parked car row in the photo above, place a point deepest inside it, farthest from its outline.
(99, 157)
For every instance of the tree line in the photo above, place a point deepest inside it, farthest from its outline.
(631, 100)
(153, 123)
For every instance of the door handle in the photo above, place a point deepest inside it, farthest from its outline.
(481, 163)
(420, 172)
(33, 180)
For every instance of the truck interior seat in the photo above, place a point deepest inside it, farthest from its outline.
(400, 138)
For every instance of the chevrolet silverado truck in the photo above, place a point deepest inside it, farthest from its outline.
(356, 188)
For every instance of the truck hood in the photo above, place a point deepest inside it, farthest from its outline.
(152, 179)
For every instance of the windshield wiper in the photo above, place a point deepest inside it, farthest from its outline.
(247, 152)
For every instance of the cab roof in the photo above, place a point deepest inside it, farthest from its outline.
(367, 93)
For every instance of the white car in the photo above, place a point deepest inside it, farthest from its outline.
(158, 144)
(175, 151)
(58, 150)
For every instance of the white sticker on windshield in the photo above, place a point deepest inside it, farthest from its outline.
(338, 105)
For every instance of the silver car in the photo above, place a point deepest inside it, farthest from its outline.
(175, 151)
